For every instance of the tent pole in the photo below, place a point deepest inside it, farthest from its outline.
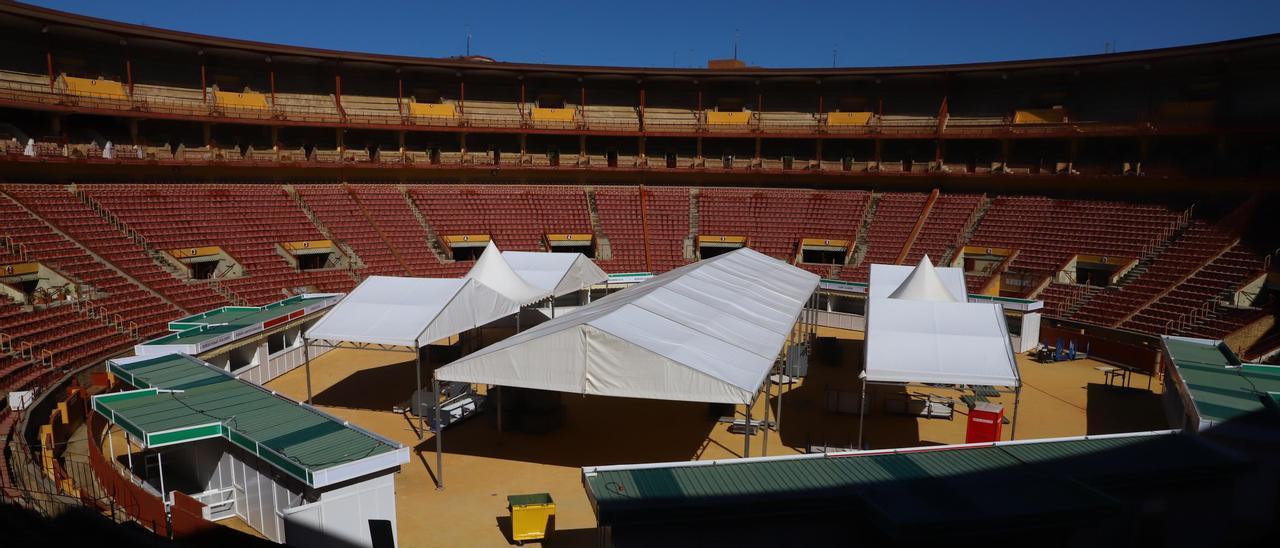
(862, 411)
(128, 450)
(777, 417)
(553, 307)
(518, 319)
(1013, 428)
(164, 496)
(306, 357)
(435, 390)
(417, 389)
(768, 391)
(746, 432)
(111, 443)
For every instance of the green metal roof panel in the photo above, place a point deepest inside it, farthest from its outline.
(1220, 385)
(207, 325)
(901, 488)
(193, 395)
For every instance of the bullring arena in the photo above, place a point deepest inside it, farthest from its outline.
(344, 299)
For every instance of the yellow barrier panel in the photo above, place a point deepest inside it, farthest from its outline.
(1040, 116)
(1187, 110)
(820, 242)
(196, 252)
(248, 100)
(1104, 259)
(433, 110)
(586, 238)
(722, 239)
(466, 240)
(307, 245)
(995, 251)
(848, 118)
(728, 118)
(552, 114)
(109, 89)
(21, 269)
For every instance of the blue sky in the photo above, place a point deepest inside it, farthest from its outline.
(662, 33)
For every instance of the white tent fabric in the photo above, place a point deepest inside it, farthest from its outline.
(887, 278)
(924, 284)
(935, 340)
(705, 332)
(492, 270)
(558, 273)
(411, 311)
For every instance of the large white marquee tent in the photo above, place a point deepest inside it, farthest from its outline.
(706, 332)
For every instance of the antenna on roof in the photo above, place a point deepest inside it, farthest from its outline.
(468, 40)
(834, 49)
(735, 44)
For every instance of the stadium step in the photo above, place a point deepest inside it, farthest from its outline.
(604, 250)
(433, 240)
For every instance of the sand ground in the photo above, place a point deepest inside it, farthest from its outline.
(482, 465)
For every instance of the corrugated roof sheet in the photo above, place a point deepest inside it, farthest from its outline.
(1221, 387)
(910, 491)
(243, 412)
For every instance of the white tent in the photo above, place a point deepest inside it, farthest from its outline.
(923, 331)
(706, 332)
(558, 273)
(411, 312)
(492, 270)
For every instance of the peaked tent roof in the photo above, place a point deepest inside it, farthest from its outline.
(558, 273)
(887, 278)
(924, 284)
(934, 340)
(492, 270)
(706, 332)
(411, 311)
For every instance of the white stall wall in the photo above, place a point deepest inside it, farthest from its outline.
(341, 517)
(1030, 332)
(279, 363)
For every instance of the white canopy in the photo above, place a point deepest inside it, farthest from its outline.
(411, 311)
(557, 273)
(886, 279)
(705, 332)
(919, 331)
(492, 270)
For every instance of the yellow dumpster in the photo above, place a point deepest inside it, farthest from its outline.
(532, 516)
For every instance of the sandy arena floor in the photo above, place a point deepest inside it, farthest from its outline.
(482, 466)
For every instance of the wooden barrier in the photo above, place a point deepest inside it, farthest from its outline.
(1142, 358)
(144, 507)
(187, 516)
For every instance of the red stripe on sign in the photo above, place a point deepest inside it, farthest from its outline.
(274, 321)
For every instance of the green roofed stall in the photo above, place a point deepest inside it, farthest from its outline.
(1216, 384)
(180, 399)
(908, 492)
(200, 332)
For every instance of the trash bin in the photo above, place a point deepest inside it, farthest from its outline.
(532, 516)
